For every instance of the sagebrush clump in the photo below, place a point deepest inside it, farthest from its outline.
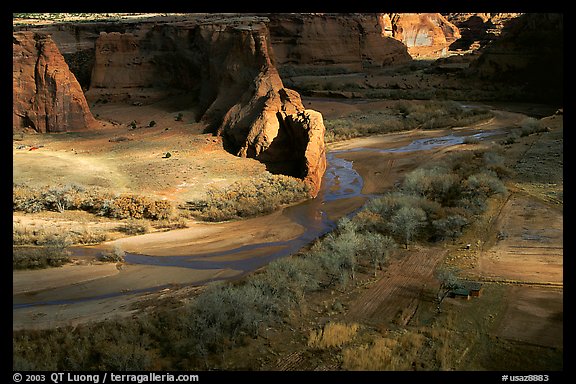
(26, 198)
(249, 198)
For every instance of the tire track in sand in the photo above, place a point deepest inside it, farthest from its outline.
(400, 288)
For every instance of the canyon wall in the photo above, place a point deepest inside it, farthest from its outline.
(529, 53)
(229, 64)
(46, 95)
(426, 35)
(227, 67)
(477, 30)
(347, 41)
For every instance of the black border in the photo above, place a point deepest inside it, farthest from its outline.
(353, 6)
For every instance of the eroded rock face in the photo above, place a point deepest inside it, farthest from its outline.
(478, 29)
(46, 95)
(350, 41)
(307, 129)
(427, 35)
(266, 121)
(229, 69)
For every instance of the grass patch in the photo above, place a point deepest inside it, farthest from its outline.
(404, 115)
(332, 335)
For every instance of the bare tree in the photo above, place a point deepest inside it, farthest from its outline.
(450, 226)
(377, 248)
(407, 221)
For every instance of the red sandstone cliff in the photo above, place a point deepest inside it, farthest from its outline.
(46, 95)
(427, 35)
(350, 41)
(228, 68)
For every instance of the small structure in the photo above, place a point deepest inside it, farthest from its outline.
(474, 288)
(460, 293)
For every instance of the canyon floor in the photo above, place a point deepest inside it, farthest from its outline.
(516, 324)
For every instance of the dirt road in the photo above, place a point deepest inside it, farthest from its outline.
(395, 297)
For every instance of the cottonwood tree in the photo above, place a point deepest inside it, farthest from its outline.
(407, 221)
(338, 251)
(377, 248)
(347, 244)
(450, 226)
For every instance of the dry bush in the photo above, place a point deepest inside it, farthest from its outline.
(27, 235)
(531, 125)
(405, 115)
(27, 199)
(51, 252)
(396, 353)
(250, 198)
(71, 196)
(115, 255)
(173, 223)
(23, 235)
(88, 236)
(332, 335)
(378, 356)
(133, 206)
(37, 257)
(159, 210)
(128, 206)
(135, 227)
